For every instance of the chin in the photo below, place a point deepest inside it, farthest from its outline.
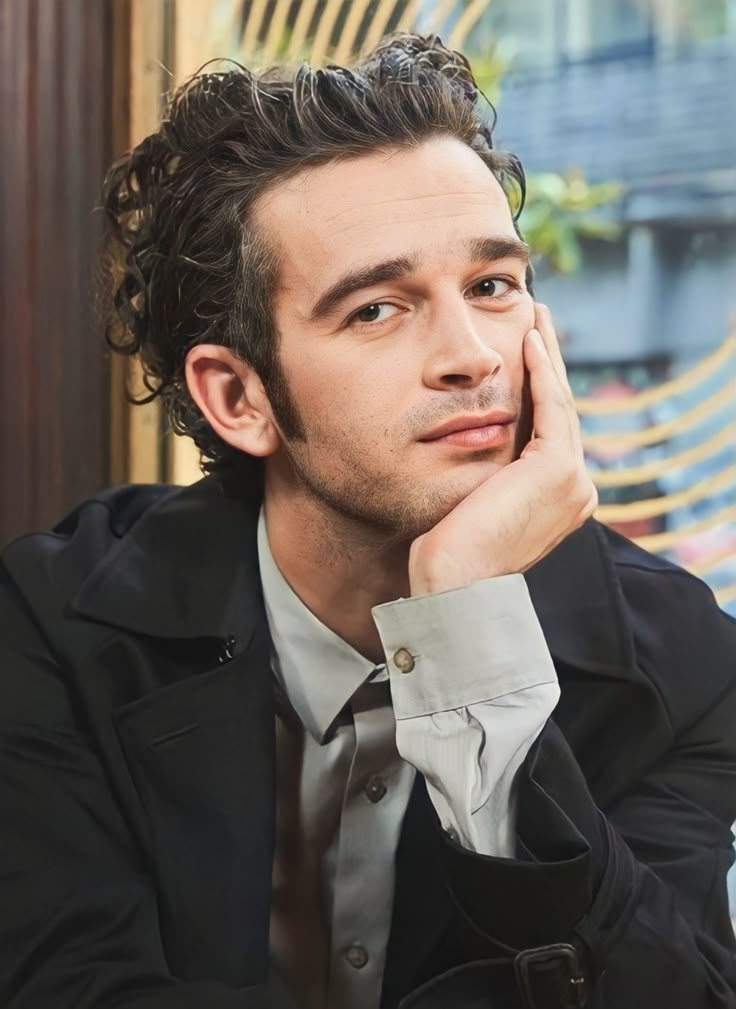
(475, 471)
(442, 497)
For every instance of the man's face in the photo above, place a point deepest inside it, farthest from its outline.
(432, 331)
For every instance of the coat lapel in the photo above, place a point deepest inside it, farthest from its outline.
(201, 754)
(193, 716)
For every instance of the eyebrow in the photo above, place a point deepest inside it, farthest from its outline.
(488, 250)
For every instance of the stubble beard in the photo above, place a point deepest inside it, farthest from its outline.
(378, 507)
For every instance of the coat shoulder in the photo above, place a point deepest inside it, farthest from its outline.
(82, 538)
(683, 642)
(40, 574)
(45, 569)
(625, 553)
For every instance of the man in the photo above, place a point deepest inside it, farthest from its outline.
(374, 715)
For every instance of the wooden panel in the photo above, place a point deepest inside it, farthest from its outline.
(193, 45)
(148, 84)
(120, 140)
(145, 73)
(55, 138)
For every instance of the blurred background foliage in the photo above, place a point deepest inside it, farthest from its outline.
(560, 212)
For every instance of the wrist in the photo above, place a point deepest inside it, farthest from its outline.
(433, 571)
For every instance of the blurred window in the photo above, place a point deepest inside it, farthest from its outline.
(533, 32)
(527, 31)
(615, 28)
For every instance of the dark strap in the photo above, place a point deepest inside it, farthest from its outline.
(548, 977)
(551, 977)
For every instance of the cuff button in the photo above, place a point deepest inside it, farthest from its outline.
(404, 660)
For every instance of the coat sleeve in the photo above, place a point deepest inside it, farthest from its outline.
(79, 925)
(638, 888)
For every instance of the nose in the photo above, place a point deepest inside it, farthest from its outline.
(461, 358)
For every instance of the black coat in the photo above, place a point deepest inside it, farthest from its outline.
(137, 784)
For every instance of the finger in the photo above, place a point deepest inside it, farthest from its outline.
(549, 336)
(554, 416)
(543, 322)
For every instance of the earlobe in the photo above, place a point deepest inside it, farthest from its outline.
(232, 399)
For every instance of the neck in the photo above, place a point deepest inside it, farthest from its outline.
(337, 566)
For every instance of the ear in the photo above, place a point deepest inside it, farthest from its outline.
(232, 399)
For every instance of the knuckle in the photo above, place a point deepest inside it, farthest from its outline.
(569, 487)
(583, 491)
(590, 504)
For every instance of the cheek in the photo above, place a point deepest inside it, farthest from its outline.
(312, 378)
(335, 393)
(525, 315)
(508, 342)
(518, 324)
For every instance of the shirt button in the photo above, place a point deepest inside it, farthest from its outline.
(404, 660)
(375, 788)
(356, 956)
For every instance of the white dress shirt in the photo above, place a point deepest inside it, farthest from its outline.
(467, 686)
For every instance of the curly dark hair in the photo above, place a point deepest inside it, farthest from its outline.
(185, 261)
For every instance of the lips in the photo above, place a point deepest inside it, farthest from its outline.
(497, 418)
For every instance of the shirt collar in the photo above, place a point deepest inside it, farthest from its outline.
(318, 671)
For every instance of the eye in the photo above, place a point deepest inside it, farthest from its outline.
(371, 314)
(495, 287)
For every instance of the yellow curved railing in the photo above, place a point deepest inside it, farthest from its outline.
(650, 508)
(265, 34)
(659, 432)
(717, 406)
(679, 460)
(709, 366)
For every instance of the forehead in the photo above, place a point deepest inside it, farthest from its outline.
(328, 219)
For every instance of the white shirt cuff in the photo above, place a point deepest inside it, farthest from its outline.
(472, 683)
